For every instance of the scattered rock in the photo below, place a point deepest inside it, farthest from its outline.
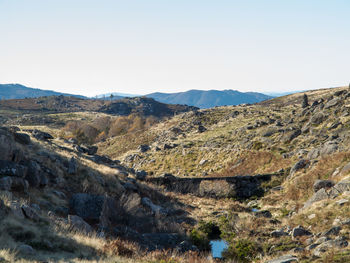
(319, 184)
(278, 233)
(263, 213)
(203, 162)
(144, 148)
(201, 129)
(300, 231)
(298, 166)
(41, 136)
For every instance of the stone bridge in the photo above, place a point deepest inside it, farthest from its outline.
(240, 187)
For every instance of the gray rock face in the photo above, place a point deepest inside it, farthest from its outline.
(332, 103)
(78, 224)
(22, 138)
(33, 174)
(96, 208)
(300, 231)
(340, 188)
(7, 145)
(319, 184)
(318, 196)
(72, 166)
(284, 259)
(88, 207)
(12, 169)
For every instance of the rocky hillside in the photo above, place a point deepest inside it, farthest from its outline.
(272, 179)
(209, 98)
(43, 110)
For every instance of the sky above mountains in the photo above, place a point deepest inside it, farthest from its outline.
(92, 47)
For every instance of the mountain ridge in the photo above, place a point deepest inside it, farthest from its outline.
(18, 91)
(209, 98)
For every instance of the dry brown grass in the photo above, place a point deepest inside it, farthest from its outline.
(301, 188)
(254, 162)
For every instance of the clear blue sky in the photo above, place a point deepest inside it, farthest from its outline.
(141, 46)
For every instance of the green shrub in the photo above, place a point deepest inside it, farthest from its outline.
(200, 239)
(242, 250)
(210, 229)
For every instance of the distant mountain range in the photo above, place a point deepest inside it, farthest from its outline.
(197, 98)
(209, 98)
(17, 91)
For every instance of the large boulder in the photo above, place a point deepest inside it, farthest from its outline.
(7, 145)
(300, 231)
(33, 174)
(95, 208)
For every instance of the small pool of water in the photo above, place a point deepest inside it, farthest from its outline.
(217, 247)
(255, 210)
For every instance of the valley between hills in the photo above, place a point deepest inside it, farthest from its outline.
(136, 180)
